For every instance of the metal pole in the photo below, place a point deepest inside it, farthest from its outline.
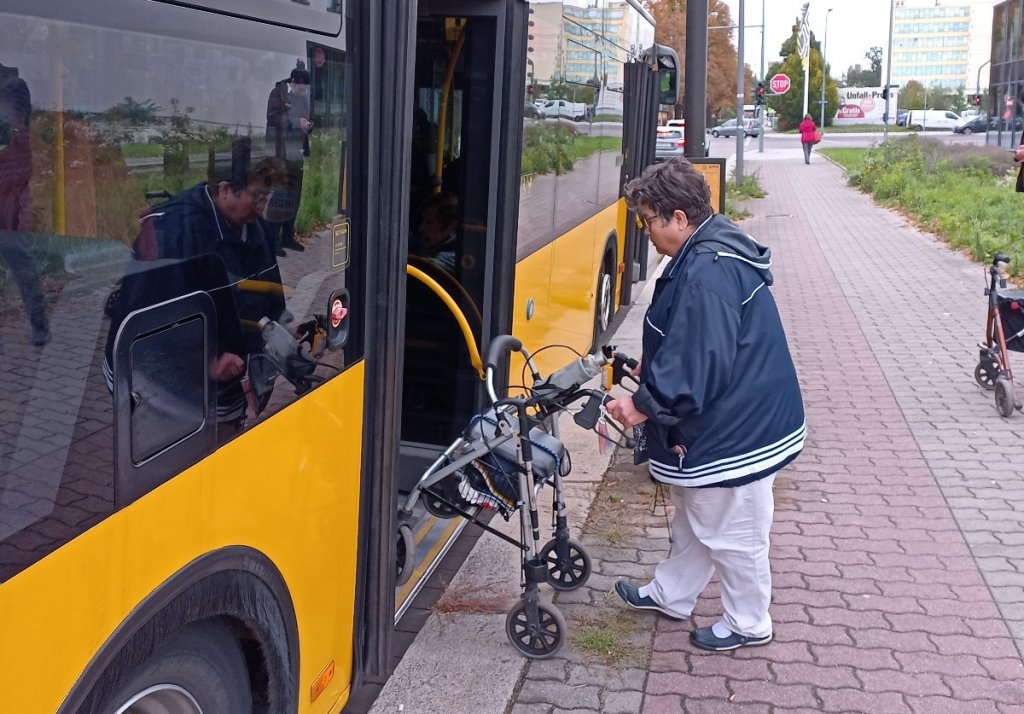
(888, 74)
(764, 107)
(824, 49)
(695, 90)
(741, 134)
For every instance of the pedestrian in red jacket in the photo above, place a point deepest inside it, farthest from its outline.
(808, 136)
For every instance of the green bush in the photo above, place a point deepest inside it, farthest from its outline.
(964, 194)
(321, 182)
(548, 148)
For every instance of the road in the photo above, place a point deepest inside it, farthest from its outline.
(725, 147)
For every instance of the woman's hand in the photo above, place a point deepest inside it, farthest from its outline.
(625, 412)
(1018, 155)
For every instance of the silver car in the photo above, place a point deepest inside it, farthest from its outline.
(670, 143)
(729, 128)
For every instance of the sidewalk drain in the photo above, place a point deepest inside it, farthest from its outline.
(779, 215)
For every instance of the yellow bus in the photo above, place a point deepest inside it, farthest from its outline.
(217, 379)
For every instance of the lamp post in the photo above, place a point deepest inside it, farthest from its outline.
(824, 49)
(888, 73)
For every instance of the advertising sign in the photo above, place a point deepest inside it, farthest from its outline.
(865, 105)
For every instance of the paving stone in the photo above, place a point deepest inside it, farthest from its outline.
(550, 692)
(622, 702)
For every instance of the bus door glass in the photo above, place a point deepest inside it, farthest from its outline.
(146, 156)
(451, 237)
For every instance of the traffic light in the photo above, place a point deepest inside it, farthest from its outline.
(759, 100)
(977, 100)
(885, 92)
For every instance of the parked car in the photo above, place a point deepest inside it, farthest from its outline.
(577, 111)
(681, 123)
(532, 111)
(729, 128)
(971, 125)
(996, 123)
(925, 119)
(671, 143)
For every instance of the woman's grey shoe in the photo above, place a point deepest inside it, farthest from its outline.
(630, 594)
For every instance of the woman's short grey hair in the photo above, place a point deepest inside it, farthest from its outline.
(673, 185)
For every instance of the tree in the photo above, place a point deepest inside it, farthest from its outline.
(790, 105)
(857, 76)
(670, 16)
(874, 56)
(912, 95)
(134, 113)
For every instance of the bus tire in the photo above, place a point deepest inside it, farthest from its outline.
(201, 668)
(604, 299)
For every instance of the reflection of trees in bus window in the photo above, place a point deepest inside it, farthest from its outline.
(124, 119)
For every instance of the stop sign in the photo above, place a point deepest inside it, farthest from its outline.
(780, 83)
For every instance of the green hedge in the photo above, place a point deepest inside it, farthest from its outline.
(962, 193)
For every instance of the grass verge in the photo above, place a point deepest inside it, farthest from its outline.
(962, 193)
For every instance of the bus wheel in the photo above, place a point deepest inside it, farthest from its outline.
(201, 668)
(604, 302)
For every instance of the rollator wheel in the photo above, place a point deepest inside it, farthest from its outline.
(568, 564)
(1005, 398)
(447, 487)
(537, 640)
(983, 375)
(405, 559)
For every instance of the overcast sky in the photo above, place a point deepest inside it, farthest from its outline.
(854, 27)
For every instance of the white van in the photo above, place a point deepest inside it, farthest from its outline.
(925, 119)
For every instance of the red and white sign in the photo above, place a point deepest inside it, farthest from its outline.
(780, 83)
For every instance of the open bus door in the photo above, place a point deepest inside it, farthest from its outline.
(462, 217)
(649, 81)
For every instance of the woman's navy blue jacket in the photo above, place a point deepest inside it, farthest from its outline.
(717, 378)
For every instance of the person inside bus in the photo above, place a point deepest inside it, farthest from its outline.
(289, 124)
(437, 236)
(211, 237)
(15, 172)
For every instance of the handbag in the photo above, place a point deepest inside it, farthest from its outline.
(640, 455)
(817, 137)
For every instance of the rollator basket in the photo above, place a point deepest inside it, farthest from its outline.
(1011, 314)
(497, 472)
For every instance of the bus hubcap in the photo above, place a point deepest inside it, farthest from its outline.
(162, 699)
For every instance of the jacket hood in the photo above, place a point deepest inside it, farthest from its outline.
(721, 236)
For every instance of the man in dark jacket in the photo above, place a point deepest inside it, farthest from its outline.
(212, 237)
(288, 128)
(719, 403)
(15, 172)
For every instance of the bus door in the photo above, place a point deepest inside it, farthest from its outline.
(640, 129)
(461, 240)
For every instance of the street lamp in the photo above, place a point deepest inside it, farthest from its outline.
(824, 48)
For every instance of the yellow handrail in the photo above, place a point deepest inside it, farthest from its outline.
(442, 117)
(467, 331)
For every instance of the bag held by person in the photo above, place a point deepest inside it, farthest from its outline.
(817, 137)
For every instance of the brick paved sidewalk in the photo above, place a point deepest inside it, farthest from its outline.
(899, 581)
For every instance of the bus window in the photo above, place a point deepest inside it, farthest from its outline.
(138, 179)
